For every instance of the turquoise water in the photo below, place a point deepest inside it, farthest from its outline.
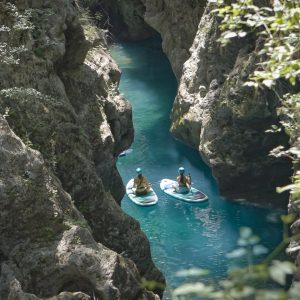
(182, 235)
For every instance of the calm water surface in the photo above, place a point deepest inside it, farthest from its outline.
(182, 235)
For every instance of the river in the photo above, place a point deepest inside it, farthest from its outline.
(182, 235)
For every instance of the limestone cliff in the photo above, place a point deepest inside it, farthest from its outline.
(47, 248)
(227, 121)
(213, 112)
(65, 126)
(176, 21)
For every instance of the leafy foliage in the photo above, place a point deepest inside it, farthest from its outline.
(90, 21)
(12, 32)
(266, 280)
(278, 26)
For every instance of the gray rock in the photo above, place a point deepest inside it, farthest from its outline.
(125, 19)
(176, 21)
(226, 121)
(46, 245)
(61, 100)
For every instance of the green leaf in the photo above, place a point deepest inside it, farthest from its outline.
(251, 23)
(292, 80)
(239, 252)
(242, 34)
(284, 188)
(192, 272)
(197, 288)
(229, 35)
(287, 219)
(251, 83)
(259, 250)
(268, 83)
(245, 232)
(280, 269)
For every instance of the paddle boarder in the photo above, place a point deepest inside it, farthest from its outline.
(183, 184)
(141, 186)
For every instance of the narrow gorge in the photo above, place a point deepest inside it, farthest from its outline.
(64, 123)
(213, 112)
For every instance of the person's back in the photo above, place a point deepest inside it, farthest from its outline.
(141, 185)
(183, 182)
(140, 181)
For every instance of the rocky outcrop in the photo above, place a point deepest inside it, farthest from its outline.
(226, 121)
(125, 19)
(294, 202)
(175, 21)
(214, 112)
(58, 93)
(46, 245)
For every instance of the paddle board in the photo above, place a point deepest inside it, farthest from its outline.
(124, 153)
(193, 195)
(143, 200)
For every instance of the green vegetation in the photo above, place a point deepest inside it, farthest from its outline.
(70, 222)
(90, 22)
(266, 280)
(13, 33)
(277, 28)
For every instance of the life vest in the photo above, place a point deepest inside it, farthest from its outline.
(141, 182)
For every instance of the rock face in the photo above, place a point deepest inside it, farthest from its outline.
(46, 245)
(176, 21)
(65, 126)
(227, 121)
(125, 19)
(294, 208)
(213, 111)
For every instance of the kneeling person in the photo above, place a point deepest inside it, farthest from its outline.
(141, 185)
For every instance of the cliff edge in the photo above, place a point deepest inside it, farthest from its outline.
(63, 124)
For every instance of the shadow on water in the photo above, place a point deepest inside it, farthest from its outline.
(182, 235)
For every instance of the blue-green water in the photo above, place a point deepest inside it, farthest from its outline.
(182, 235)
